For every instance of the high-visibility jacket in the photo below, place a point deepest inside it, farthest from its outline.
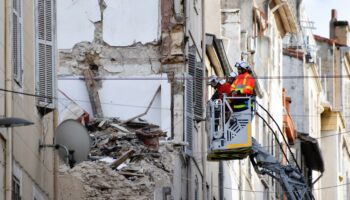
(221, 90)
(224, 89)
(244, 83)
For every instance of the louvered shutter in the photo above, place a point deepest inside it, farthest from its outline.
(195, 69)
(45, 52)
(188, 112)
(198, 91)
(17, 41)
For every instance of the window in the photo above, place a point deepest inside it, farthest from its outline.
(16, 188)
(17, 41)
(45, 53)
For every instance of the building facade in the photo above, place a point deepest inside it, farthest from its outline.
(27, 53)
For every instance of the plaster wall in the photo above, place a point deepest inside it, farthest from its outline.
(330, 147)
(2, 56)
(231, 33)
(126, 22)
(37, 166)
(118, 22)
(75, 21)
(123, 98)
(2, 168)
(212, 17)
(295, 89)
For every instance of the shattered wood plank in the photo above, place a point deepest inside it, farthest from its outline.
(122, 158)
(93, 93)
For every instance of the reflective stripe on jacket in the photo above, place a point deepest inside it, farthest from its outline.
(244, 83)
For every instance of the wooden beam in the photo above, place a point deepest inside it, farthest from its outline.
(93, 93)
(122, 158)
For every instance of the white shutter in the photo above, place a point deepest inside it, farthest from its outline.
(188, 112)
(198, 91)
(45, 36)
(17, 41)
(195, 69)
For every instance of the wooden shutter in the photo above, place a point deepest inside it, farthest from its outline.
(188, 112)
(45, 52)
(17, 41)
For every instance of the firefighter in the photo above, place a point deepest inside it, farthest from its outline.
(221, 87)
(243, 86)
(231, 78)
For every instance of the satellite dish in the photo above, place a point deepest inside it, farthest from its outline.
(73, 140)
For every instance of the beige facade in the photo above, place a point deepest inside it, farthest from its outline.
(23, 165)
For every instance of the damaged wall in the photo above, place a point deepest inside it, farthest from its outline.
(136, 47)
(110, 60)
(124, 22)
(117, 102)
(75, 21)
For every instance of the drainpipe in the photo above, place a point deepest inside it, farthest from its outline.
(55, 161)
(221, 180)
(8, 99)
(204, 144)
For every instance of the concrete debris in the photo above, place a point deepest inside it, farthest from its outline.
(121, 165)
(120, 128)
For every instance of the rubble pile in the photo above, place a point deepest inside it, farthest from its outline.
(124, 162)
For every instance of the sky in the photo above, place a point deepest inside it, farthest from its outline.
(319, 12)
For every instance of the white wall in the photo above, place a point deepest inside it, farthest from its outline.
(295, 90)
(75, 21)
(122, 97)
(231, 33)
(126, 22)
(2, 56)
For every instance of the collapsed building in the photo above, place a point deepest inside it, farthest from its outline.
(124, 163)
(118, 64)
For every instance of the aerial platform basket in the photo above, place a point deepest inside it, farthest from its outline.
(229, 128)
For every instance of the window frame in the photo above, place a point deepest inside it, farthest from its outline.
(16, 191)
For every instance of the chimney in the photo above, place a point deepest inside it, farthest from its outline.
(331, 24)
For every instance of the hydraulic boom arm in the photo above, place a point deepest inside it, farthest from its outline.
(288, 176)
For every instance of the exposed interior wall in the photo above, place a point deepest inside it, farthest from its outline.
(117, 22)
(124, 20)
(122, 98)
(75, 21)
